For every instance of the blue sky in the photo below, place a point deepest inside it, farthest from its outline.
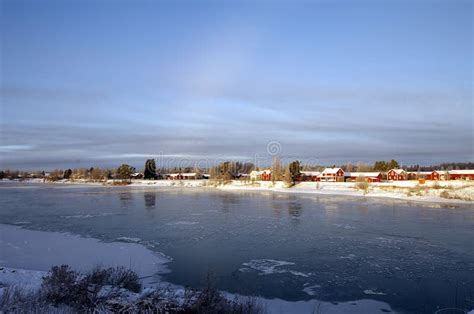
(97, 83)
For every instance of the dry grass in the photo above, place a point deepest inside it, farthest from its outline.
(121, 182)
(115, 290)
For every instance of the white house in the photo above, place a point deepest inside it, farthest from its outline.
(261, 175)
(332, 174)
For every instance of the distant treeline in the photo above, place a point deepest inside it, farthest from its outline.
(443, 166)
(225, 170)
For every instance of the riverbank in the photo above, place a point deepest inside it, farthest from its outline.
(430, 191)
(27, 255)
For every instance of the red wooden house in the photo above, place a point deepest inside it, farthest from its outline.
(367, 176)
(427, 175)
(436, 175)
(310, 176)
(396, 175)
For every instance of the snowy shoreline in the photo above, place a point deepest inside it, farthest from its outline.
(27, 255)
(457, 192)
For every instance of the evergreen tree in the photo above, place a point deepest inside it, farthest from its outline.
(380, 166)
(67, 174)
(294, 171)
(393, 164)
(150, 170)
(125, 171)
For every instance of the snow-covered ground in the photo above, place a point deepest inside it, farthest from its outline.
(27, 255)
(457, 191)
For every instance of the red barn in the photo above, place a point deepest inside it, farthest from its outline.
(461, 174)
(427, 175)
(367, 176)
(310, 175)
(396, 175)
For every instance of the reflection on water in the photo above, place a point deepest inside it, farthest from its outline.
(150, 199)
(228, 201)
(125, 198)
(295, 207)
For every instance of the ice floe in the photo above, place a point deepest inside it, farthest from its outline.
(373, 292)
(182, 223)
(86, 216)
(271, 266)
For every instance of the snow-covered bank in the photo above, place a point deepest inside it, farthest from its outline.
(443, 192)
(26, 255)
(431, 191)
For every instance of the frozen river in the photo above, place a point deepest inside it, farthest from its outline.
(416, 257)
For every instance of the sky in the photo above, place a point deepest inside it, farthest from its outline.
(100, 83)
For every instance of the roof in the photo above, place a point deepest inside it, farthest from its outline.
(422, 172)
(331, 170)
(260, 172)
(363, 174)
(466, 171)
(191, 174)
(398, 171)
(311, 173)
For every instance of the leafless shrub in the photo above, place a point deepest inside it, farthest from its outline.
(67, 291)
(124, 278)
(211, 301)
(417, 190)
(59, 286)
(362, 184)
(445, 194)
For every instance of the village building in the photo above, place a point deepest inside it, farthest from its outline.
(261, 175)
(181, 176)
(438, 175)
(310, 175)
(461, 174)
(396, 175)
(420, 175)
(426, 175)
(367, 176)
(242, 176)
(137, 176)
(332, 175)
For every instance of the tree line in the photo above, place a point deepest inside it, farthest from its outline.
(227, 170)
